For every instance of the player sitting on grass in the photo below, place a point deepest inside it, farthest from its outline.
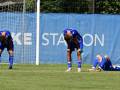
(104, 64)
(6, 41)
(74, 41)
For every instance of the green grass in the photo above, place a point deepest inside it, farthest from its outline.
(54, 77)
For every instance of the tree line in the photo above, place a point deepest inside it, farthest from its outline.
(81, 6)
(64, 6)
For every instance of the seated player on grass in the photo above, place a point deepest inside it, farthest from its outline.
(104, 64)
(74, 41)
(6, 41)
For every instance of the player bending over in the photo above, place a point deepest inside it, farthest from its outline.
(104, 64)
(74, 41)
(6, 41)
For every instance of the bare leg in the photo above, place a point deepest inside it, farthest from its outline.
(0, 55)
(79, 60)
(69, 60)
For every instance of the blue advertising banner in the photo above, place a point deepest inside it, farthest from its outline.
(100, 34)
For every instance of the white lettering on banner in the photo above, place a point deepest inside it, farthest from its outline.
(100, 41)
(46, 37)
(53, 37)
(93, 40)
(90, 38)
(26, 40)
(46, 40)
(16, 38)
(61, 40)
(57, 39)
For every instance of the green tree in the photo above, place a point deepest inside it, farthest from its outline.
(51, 6)
(107, 6)
(75, 6)
(67, 6)
(30, 5)
(81, 6)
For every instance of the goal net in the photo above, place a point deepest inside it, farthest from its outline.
(19, 17)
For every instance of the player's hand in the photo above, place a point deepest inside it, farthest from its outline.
(91, 70)
(98, 70)
(81, 50)
(95, 70)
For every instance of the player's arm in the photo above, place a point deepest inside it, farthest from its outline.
(94, 66)
(102, 64)
(79, 40)
(0, 38)
(81, 43)
(8, 36)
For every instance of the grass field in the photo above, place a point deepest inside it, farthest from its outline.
(54, 77)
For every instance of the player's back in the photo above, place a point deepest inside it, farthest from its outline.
(5, 38)
(106, 64)
(76, 35)
(73, 32)
(79, 38)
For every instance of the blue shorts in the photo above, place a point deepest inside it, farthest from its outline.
(9, 46)
(72, 46)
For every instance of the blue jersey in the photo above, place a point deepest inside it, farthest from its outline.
(104, 64)
(6, 41)
(8, 36)
(76, 35)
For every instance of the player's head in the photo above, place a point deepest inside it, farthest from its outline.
(3, 37)
(68, 35)
(3, 33)
(99, 57)
(107, 57)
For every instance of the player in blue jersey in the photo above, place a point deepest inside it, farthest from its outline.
(74, 41)
(6, 41)
(104, 64)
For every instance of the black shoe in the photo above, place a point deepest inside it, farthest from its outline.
(10, 67)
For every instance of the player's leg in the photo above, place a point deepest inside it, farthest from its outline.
(10, 58)
(1, 49)
(77, 46)
(115, 68)
(69, 60)
(79, 60)
(0, 55)
(10, 49)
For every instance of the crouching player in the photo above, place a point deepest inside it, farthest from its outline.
(6, 41)
(104, 64)
(74, 41)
